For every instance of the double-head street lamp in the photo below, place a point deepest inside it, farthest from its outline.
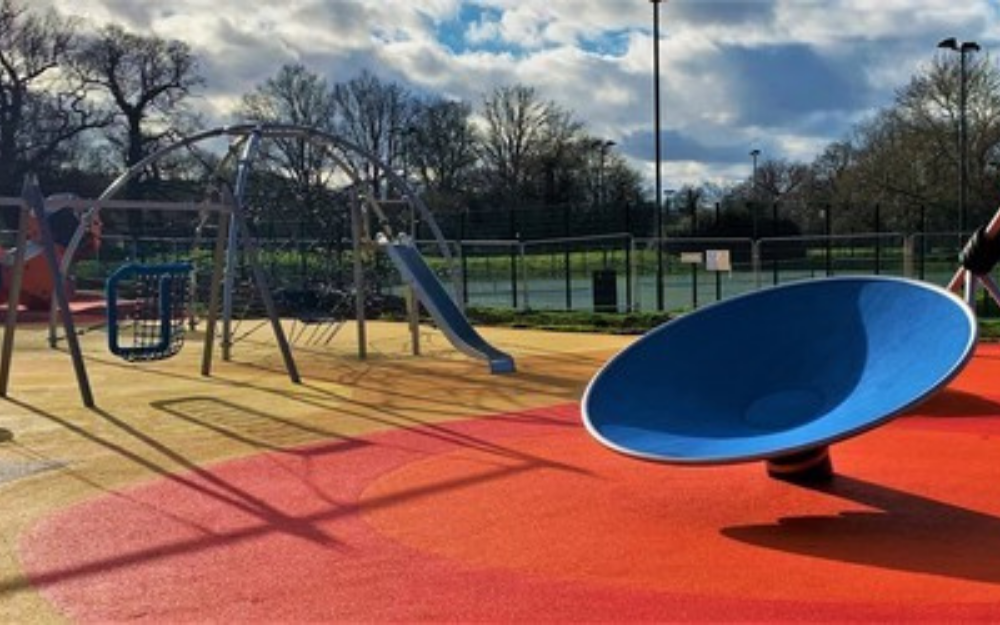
(963, 50)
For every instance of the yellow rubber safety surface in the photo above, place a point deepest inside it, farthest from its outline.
(162, 418)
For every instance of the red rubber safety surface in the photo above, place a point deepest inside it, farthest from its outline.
(523, 517)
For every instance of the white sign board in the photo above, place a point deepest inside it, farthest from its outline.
(693, 258)
(718, 260)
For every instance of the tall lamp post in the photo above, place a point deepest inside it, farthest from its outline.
(754, 153)
(658, 218)
(963, 50)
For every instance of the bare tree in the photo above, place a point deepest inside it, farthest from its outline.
(441, 147)
(623, 184)
(147, 81)
(829, 182)
(516, 122)
(564, 164)
(374, 115)
(295, 96)
(43, 112)
(303, 168)
(929, 108)
(905, 158)
(778, 178)
(828, 179)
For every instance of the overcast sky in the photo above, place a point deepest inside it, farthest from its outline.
(783, 76)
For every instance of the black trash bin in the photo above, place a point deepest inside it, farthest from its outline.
(605, 290)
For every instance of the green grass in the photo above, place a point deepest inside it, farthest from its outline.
(622, 323)
(575, 321)
(989, 329)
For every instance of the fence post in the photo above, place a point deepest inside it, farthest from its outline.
(658, 237)
(628, 273)
(878, 238)
(524, 273)
(923, 239)
(755, 262)
(462, 264)
(513, 271)
(829, 239)
(515, 236)
(908, 246)
(568, 277)
(774, 233)
(694, 286)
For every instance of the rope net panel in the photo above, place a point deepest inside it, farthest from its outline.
(148, 308)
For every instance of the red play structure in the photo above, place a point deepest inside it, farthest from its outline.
(37, 287)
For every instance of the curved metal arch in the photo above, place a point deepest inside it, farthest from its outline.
(116, 185)
(242, 132)
(396, 180)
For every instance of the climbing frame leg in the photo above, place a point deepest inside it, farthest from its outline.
(13, 299)
(34, 199)
(260, 279)
(218, 261)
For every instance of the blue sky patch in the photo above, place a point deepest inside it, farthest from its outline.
(609, 43)
(456, 34)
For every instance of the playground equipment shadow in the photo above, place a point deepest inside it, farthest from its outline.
(164, 419)
(421, 488)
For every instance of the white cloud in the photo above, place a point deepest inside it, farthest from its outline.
(734, 72)
(483, 31)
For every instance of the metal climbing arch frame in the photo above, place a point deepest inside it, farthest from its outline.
(245, 140)
(32, 201)
(250, 136)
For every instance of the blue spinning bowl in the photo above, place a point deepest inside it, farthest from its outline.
(780, 373)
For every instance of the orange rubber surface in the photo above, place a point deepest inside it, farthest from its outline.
(523, 517)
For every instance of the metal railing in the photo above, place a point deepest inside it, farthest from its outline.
(611, 272)
(567, 273)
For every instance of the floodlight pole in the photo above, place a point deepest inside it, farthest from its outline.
(754, 153)
(658, 218)
(963, 50)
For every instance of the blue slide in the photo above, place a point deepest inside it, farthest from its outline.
(443, 309)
